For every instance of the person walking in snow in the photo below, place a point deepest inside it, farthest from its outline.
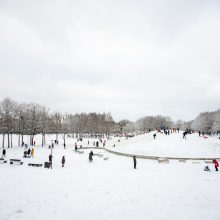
(184, 134)
(76, 147)
(32, 152)
(25, 154)
(29, 152)
(63, 161)
(4, 153)
(50, 158)
(90, 156)
(216, 164)
(154, 135)
(134, 161)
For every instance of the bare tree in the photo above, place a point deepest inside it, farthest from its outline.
(8, 117)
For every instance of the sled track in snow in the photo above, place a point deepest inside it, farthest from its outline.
(149, 157)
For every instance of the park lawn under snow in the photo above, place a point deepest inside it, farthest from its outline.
(108, 189)
(172, 145)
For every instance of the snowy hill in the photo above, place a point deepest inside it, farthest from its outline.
(172, 145)
(112, 189)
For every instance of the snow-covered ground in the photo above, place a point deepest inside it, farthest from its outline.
(172, 145)
(112, 189)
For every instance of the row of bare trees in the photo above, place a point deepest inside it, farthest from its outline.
(31, 119)
(208, 122)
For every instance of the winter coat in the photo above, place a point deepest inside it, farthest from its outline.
(63, 160)
(32, 152)
(134, 159)
(29, 151)
(90, 155)
(50, 157)
(216, 163)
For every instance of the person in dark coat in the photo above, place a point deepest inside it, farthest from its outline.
(76, 148)
(154, 135)
(184, 134)
(25, 154)
(3, 153)
(29, 152)
(90, 156)
(50, 158)
(63, 161)
(135, 162)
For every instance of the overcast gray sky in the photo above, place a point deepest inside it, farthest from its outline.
(128, 57)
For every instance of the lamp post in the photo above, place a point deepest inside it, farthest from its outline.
(51, 153)
(43, 138)
(11, 136)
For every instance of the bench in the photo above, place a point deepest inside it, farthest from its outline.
(2, 160)
(16, 161)
(208, 161)
(182, 160)
(105, 158)
(163, 160)
(35, 164)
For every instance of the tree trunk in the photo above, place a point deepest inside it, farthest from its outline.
(22, 140)
(42, 139)
(32, 140)
(11, 141)
(19, 138)
(3, 140)
(8, 140)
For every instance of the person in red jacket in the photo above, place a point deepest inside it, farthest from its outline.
(216, 164)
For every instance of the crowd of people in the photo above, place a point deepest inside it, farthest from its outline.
(29, 152)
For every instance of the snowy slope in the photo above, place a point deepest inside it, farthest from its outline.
(107, 189)
(172, 145)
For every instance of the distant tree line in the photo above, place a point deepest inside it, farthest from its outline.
(208, 122)
(32, 119)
